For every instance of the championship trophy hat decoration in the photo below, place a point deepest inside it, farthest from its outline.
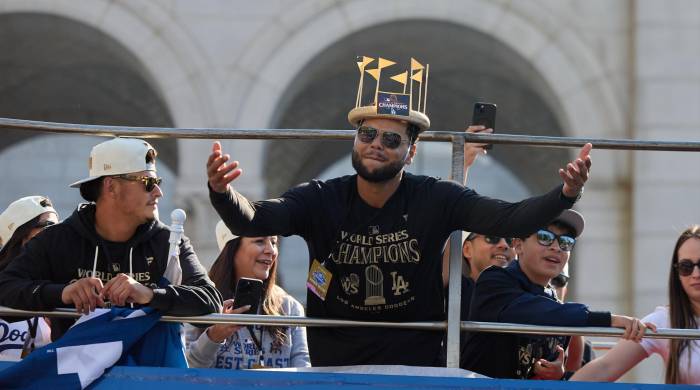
(393, 105)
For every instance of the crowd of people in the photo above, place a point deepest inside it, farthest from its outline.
(376, 244)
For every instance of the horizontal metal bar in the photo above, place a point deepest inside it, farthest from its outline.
(491, 327)
(305, 134)
(498, 327)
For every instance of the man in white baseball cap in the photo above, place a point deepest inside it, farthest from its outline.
(111, 249)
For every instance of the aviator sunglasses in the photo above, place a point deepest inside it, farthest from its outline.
(389, 139)
(686, 267)
(546, 238)
(148, 181)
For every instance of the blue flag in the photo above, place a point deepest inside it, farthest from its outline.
(106, 337)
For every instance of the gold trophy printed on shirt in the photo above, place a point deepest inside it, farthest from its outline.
(393, 105)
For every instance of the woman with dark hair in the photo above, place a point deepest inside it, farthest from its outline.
(20, 222)
(682, 357)
(237, 347)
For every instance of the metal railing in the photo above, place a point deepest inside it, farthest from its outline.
(470, 326)
(457, 138)
(309, 134)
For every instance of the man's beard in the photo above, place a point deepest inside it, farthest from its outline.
(378, 175)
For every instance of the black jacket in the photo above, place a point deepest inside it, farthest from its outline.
(65, 253)
(507, 295)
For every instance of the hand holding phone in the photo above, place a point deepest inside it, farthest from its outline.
(485, 115)
(248, 292)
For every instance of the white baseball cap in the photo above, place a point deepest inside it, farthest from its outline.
(118, 156)
(20, 212)
(223, 235)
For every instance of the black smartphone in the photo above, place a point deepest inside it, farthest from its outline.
(485, 115)
(248, 292)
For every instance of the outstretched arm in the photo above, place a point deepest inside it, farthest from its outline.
(469, 211)
(283, 216)
(611, 366)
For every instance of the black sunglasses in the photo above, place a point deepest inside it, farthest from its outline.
(493, 240)
(390, 139)
(546, 238)
(686, 267)
(149, 182)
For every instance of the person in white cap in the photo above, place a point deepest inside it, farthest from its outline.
(21, 221)
(375, 239)
(521, 293)
(240, 347)
(112, 249)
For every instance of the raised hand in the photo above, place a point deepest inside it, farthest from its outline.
(84, 294)
(471, 150)
(219, 173)
(576, 172)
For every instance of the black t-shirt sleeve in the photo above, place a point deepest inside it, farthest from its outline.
(286, 215)
(469, 211)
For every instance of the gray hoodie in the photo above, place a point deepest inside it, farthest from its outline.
(240, 351)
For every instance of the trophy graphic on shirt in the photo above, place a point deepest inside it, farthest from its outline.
(374, 286)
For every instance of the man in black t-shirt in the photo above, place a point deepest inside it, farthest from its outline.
(375, 238)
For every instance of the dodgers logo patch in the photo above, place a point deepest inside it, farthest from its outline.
(393, 103)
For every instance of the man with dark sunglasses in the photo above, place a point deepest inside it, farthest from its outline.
(375, 238)
(522, 293)
(113, 250)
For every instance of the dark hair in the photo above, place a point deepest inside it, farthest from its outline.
(681, 314)
(412, 131)
(13, 247)
(223, 274)
(151, 156)
(92, 189)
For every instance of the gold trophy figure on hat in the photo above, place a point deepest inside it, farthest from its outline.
(393, 105)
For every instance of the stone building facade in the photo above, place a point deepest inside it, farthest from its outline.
(594, 68)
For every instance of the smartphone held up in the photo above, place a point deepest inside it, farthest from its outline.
(485, 115)
(248, 292)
